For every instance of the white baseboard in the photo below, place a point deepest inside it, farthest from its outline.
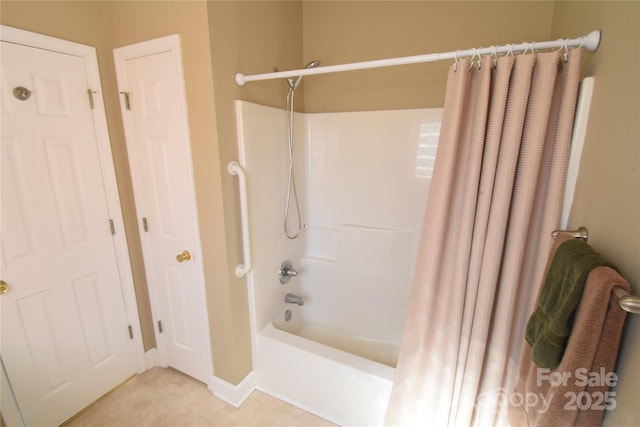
(151, 358)
(233, 394)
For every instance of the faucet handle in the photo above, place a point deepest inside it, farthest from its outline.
(290, 272)
(286, 271)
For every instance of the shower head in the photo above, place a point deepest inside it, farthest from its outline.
(313, 64)
(293, 85)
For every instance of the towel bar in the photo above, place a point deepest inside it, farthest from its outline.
(628, 302)
(580, 233)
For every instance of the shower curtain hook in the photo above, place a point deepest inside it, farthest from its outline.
(472, 57)
(565, 56)
(510, 51)
(479, 58)
(495, 56)
(455, 64)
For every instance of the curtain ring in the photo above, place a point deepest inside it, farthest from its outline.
(526, 48)
(581, 41)
(495, 56)
(472, 58)
(455, 64)
(565, 56)
(533, 47)
(479, 58)
(510, 51)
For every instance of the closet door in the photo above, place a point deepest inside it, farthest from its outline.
(154, 113)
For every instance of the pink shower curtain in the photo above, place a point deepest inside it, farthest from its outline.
(495, 198)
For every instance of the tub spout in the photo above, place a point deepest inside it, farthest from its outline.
(293, 299)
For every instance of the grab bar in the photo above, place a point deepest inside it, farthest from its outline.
(234, 168)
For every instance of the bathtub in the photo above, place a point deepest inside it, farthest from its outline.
(324, 359)
(367, 347)
(334, 384)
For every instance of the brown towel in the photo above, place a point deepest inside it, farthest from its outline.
(577, 392)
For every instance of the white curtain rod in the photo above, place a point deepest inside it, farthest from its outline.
(590, 42)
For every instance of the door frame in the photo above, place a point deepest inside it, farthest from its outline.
(172, 44)
(103, 144)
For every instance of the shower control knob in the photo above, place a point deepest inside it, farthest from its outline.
(286, 272)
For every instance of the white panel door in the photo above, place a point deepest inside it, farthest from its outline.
(65, 339)
(158, 144)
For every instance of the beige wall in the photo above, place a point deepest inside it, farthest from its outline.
(341, 32)
(607, 199)
(248, 37)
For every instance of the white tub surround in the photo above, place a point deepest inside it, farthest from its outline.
(363, 180)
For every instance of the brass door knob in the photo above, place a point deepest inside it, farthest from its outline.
(184, 256)
(4, 288)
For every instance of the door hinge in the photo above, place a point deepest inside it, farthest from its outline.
(130, 332)
(145, 226)
(112, 227)
(127, 103)
(90, 93)
(160, 326)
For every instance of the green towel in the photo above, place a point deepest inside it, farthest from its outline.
(550, 325)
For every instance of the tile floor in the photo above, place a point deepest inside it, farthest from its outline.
(166, 397)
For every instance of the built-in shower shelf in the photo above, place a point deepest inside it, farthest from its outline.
(312, 258)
